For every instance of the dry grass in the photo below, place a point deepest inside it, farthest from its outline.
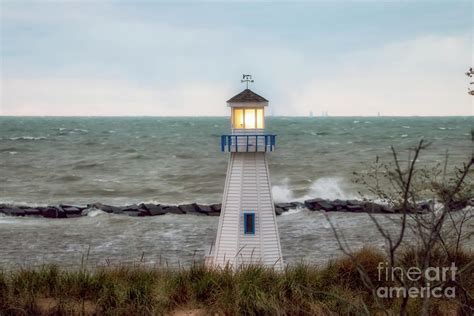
(303, 289)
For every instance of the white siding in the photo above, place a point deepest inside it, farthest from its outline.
(247, 188)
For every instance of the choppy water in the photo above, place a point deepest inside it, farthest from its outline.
(173, 160)
(175, 239)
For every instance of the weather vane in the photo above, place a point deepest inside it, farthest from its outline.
(246, 79)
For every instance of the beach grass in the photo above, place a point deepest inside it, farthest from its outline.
(302, 289)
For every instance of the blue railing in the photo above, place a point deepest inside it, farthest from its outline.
(248, 143)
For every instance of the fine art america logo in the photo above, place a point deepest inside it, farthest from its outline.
(432, 280)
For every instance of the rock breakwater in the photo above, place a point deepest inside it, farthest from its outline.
(151, 209)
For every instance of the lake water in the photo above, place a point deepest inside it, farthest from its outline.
(174, 160)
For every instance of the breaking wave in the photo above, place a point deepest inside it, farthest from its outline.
(330, 188)
(28, 138)
(94, 212)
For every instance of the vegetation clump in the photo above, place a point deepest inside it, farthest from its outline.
(302, 289)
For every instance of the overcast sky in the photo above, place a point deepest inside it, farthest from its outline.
(186, 58)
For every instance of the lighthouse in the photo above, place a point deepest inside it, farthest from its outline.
(247, 232)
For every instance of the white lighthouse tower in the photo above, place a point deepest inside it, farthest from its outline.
(248, 232)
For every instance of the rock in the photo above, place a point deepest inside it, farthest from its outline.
(143, 213)
(327, 206)
(53, 212)
(388, 210)
(353, 208)
(131, 208)
(205, 209)
(154, 210)
(215, 210)
(279, 211)
(297, 205)
(105, 208)
(71, 210)
(173, 210)
(370, 207)
(81, 207)
(14, 211)
(190, 209)
(458, 205)
(32, 212)
(216, 207)
(319, 204)
(131, 213)
(355, 203)
(60, 213)
(313, 204)
(284, 206)
(339, 203)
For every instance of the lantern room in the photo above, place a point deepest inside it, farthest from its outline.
(248, 123)
(247, 111)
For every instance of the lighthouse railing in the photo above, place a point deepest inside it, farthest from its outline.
(248, 143)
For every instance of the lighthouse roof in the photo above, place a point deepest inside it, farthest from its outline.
(247, 96)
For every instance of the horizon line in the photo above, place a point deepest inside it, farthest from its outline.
(226, 116)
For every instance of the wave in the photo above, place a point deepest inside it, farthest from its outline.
(8, 149)
(85, 165)
(330, 188)
(27, 138)
(94, 212)
(69, 177)
(293, 211)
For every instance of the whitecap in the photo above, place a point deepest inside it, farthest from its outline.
(13, 152)
(282, 193)
(442, 128)
(404, 135)
(27, 138)
(101, 180)
(330, 188)
(93, 212)
(406, 126)
(292, 211)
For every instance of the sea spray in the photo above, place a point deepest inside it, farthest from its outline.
(330, 188)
